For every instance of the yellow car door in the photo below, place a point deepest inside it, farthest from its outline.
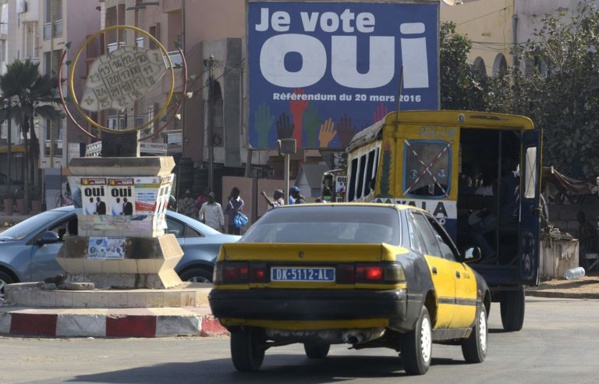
(465, 291)
(424, 240)
(442, 273)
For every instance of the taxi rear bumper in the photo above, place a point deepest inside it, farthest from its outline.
(291, 304)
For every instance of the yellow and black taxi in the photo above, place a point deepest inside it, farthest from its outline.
(366, 275)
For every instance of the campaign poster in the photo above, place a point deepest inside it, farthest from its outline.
(104, 248)
(120, 195)
(93, 196)
(146, 194)
(319, 72)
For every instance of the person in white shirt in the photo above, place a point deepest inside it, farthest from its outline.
(211, 214)
(277, 199)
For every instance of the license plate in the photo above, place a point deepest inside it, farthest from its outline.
(302, 274)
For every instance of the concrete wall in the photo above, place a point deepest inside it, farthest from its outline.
(564, 216)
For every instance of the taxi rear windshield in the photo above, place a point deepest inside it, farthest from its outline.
(327, 224)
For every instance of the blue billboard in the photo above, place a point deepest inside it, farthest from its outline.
(319, 72)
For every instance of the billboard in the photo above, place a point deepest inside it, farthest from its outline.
(319, 72)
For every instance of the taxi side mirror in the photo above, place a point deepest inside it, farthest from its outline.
(472, 255)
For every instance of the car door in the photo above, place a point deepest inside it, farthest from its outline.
(465, 281)
(43, 256)
(441, 270)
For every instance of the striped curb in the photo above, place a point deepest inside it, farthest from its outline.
(122, 322)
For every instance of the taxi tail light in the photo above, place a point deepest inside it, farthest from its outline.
(258, 273)
(232, 273)
(370, 273)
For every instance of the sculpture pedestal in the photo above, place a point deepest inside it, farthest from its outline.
(146, 263)
(121, 241)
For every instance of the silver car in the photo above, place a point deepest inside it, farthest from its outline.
(28, 250)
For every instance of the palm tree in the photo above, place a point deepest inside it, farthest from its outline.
(29, 94)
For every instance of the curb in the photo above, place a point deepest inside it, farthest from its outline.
(111, 322)
(562, 295)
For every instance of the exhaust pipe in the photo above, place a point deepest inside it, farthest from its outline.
(359, 336)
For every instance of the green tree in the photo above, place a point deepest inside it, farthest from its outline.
(29, 94)
(462, 87)
(557, 85)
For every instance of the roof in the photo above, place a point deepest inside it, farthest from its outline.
(463, 119)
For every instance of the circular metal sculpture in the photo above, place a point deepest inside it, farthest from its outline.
(118, 79)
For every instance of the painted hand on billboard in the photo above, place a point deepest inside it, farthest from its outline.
(284, 127)
(380, 113)
(262, 123)
(327, 133)
(312, 121)
(346, 130)
(297, 108)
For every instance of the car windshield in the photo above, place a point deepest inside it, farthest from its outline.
(326, 224)
(34, 223)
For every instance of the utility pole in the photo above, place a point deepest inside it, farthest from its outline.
(210, 64)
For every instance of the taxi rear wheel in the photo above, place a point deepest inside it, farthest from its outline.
(247, 349)
(316, 350)
(417, 346)
(474, 348)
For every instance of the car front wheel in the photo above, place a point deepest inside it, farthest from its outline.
(4, 279)
(247, 349)
(474, 348)
(197, 275)
(417, 346)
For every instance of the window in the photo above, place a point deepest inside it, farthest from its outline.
(352, 177)
(370, 175)
(116, 123)
(363, 173)
(360, 180)
(53, 142)
(52, 19)
(155, 33)
(427, 168)
(530, 174)
(429, 238)
(2, 50)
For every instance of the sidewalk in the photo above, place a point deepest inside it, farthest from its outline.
(584, 288)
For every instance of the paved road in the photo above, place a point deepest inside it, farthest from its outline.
(558, 345)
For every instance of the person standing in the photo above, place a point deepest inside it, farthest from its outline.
(202, 198)
(297, 195)
(234, 206)
(127, 207)
(187, 205)
(117, 208)
(100, 206)
(211, 214)
(277, 199)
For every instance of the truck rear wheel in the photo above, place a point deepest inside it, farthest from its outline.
(512, 310)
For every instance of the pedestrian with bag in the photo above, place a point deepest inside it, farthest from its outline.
(234, 208)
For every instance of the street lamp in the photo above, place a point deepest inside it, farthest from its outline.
(287, 147)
